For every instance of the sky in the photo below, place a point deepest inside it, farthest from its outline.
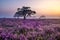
(42, 7)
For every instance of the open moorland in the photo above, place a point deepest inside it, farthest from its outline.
(29, 29)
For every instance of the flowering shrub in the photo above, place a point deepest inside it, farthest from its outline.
(29, 29)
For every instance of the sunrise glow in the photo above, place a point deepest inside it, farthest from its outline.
(42, 7)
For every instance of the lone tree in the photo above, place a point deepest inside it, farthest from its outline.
(24, 11)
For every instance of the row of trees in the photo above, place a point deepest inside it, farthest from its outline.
(24, 11)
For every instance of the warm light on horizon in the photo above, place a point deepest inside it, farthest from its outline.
(42, 7)
(49, 8)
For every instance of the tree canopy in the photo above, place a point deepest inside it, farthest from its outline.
(24, 11)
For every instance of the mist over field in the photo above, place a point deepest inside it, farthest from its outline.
(29, 19)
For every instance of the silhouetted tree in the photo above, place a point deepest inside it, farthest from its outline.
(42, 16)
(24, 11)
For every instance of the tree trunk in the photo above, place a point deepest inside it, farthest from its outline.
(24, 17)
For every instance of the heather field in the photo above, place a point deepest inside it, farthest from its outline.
(29, 29)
